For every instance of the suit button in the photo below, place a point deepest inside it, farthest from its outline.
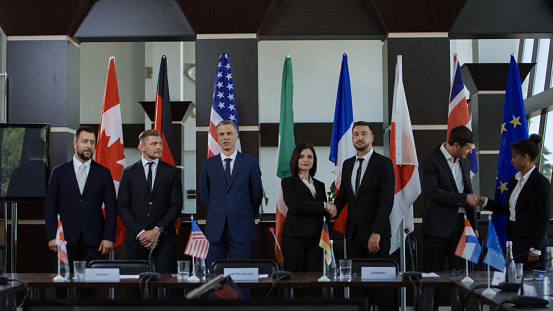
(150, 203)
(148, 215)
(81, 201)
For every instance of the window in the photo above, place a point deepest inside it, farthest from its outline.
(541, 66)
(546, 159)
(534, 125)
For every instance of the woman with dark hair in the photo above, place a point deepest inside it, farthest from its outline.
(527, 204)
(305, 198)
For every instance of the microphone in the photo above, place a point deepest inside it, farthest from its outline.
(280, 274)
(151, 275)
(278, 245)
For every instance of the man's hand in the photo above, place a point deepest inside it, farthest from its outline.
(105, 247)
(533, 257)
(374, 243)
(472, 200)
(330, 208)
(53, 246)
(147, 238)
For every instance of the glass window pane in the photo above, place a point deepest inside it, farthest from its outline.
(546, 159)
(534, 125)
(527, 49)
(541, 66)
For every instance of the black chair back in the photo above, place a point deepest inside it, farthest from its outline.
(265, 266)
(126, 267)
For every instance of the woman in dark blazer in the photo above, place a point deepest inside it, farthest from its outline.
(305, 198)
(527, 204)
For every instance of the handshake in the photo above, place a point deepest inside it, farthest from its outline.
(474, 200)
(330, 208)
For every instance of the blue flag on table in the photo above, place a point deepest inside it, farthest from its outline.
(513, 129)
(494, 257)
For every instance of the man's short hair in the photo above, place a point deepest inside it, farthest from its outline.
(461, 135)
(83, 128)
(226, 122)
(147, 133)
(362, 123)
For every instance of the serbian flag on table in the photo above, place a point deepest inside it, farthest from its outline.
(223, 106)
(341, 146)
(324, 243)
(163, 122)
(286, 145)
(404, 157)
(197, 245)
(60, 242)
(469, 247)
(514, 128)
(459, 110)
(110, 150)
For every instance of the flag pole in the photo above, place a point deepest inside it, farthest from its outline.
(402, 262)
(489, 292)
(467, 280)
(193, 278)
(58, 277)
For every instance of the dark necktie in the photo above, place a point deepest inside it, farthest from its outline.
(227, 169)
(358, 176)
(150, 177)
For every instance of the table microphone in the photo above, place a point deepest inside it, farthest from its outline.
(281, 274)
(151, 275)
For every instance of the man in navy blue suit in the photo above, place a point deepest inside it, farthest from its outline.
(231, 192)
(76, 191)
(149, 203)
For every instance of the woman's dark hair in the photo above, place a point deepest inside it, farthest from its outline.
(296, 157)
(530, 146)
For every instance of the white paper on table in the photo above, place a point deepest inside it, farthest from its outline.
(263, 276)
(129, 277)
(430, 275)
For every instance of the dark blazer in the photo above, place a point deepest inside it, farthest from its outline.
(81, 214)
(238, 202)
(442, 196)
(533, 211)
(369, 212)
(305, 213)
(141, 209)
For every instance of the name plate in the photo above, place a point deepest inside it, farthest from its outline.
(243, 274)
(497, 278)
(102, 275)
(378, 273)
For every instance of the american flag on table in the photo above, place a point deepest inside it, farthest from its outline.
(223, 106)
(197, 245)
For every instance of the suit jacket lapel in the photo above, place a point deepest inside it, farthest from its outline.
(70, 171)
(347, 171)
(91, 175)
(304, 186)
(443, 162)
(140, 174)
(160, 173)
(235, 169)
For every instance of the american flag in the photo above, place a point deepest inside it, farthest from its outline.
(197, 245)
(223, 106)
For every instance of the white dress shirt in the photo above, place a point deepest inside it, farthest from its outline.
(146, 169)
(233, 157)
(456, 170)
(77, 164)
(364, 164)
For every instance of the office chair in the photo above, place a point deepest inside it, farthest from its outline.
(126, 267)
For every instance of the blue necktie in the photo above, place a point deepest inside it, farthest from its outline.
(227, 169)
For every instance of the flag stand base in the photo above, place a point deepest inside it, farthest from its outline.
(467, 281)
(193, 279)
(489, 292)
(59, 278)
(324, 278)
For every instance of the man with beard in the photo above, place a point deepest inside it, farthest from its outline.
(76, 191)
(368, 190)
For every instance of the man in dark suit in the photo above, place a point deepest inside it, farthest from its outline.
(445, 180)
(149, 203)
(368, 189)
(76, 191)
(231, 192)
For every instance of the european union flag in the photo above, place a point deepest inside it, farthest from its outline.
(514, 128)
(494, 257)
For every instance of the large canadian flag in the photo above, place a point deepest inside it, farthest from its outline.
(404, 157)
(109, 149)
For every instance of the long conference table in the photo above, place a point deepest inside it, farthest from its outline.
(41, 285)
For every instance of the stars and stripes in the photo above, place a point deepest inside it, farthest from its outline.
(223, 106)
(197, 245)
(459, 110)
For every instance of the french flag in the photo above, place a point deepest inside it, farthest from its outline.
(341, 146)
(469, 247)
(459, 110)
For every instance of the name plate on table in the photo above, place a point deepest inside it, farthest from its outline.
(378, 273)
(102, 275)
(243, 274)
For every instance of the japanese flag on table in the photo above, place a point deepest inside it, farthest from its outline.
(110, 150)
(60, 242)
(469, 247)
(341, 146)
(404, 157)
